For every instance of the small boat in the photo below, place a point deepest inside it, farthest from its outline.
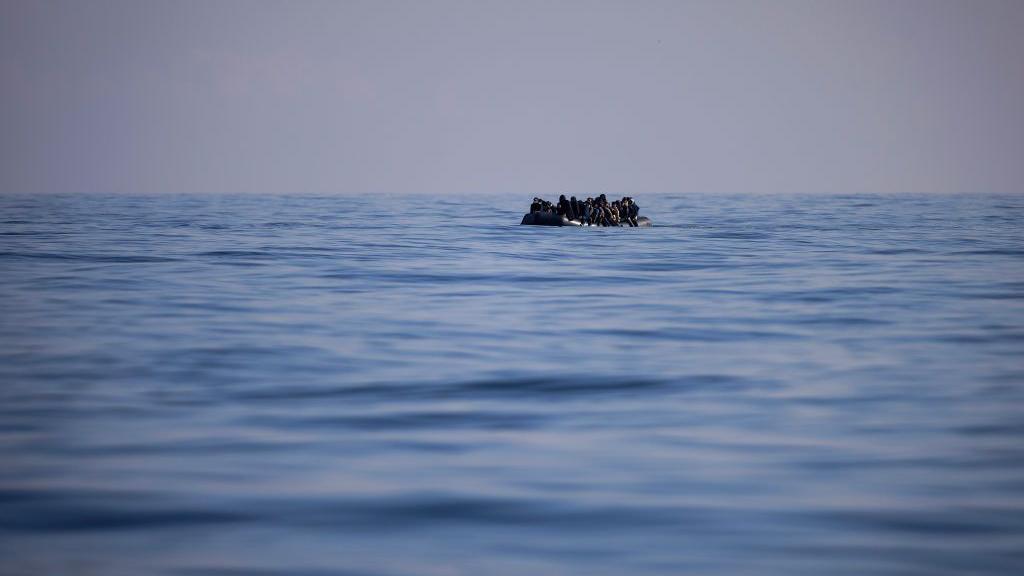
(552, 219)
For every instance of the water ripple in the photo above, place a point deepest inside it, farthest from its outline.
(215, 385)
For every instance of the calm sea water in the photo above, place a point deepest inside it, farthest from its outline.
(219, 385)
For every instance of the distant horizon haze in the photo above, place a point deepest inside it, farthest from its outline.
(515, 98)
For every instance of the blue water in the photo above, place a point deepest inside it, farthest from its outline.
(218, 385)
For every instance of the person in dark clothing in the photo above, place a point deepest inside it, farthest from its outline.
(623, 206)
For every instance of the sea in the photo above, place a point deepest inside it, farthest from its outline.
(375, 385)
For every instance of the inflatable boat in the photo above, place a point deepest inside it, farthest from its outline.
(552, 219)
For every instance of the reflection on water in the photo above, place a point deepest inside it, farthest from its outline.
(311, 386)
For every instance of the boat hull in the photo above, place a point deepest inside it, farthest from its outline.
(552, 219)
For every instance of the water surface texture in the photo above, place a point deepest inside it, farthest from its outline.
(211, 386)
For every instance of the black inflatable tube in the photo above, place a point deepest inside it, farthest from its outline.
(552, 219)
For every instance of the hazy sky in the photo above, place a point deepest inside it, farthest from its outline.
(512, 97)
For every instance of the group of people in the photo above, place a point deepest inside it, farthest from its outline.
(593, 211)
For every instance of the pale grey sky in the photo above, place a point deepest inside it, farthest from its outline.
(516, 97)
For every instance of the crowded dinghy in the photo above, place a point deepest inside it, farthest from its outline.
(590, 212)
